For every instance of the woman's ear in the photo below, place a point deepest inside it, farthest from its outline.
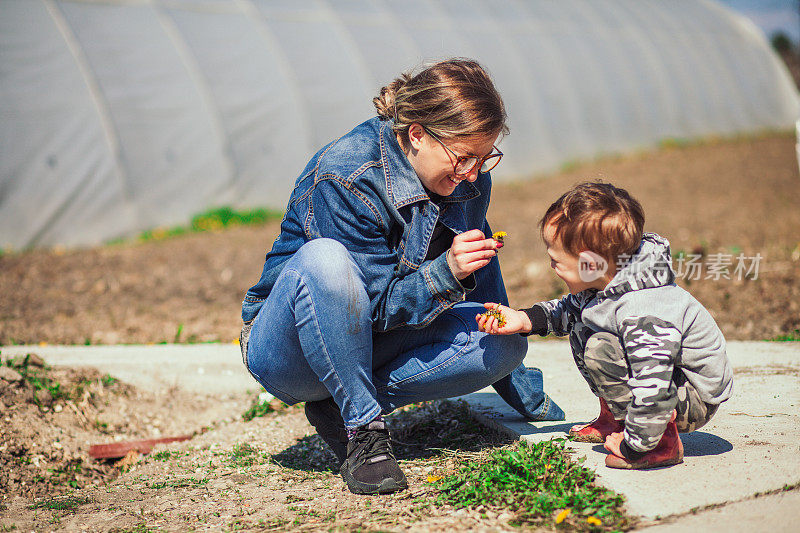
(416, 135)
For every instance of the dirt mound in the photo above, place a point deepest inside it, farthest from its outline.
(51, 416)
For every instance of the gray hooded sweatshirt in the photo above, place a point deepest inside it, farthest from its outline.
(661, 327)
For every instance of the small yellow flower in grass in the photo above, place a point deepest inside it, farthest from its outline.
(433, 479)
(548, 466)
(594, 521)
(235, 341)
(43, 343)
(562, 515)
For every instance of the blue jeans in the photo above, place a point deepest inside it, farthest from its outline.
(313, 339)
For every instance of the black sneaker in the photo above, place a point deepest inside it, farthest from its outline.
(370, 467)
(326, 418)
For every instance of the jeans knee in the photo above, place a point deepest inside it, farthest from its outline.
(329, 264)
(323, 253)
(504, 353)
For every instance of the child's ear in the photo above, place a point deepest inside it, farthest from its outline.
(591, 266)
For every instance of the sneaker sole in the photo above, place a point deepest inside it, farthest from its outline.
(387, 486)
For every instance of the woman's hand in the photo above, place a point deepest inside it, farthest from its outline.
(515, 321)
(471, 251)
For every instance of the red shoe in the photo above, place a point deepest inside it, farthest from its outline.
(604, 425)
(668, 452)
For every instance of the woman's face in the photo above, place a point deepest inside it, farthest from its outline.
(434, 164)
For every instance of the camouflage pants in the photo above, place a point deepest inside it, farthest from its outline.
(605, 367)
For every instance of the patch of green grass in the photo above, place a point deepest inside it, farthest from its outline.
(67, 473)
(64, 503)
(214, 219)
(163, 455)
(788, 337)
(261, 407)
(242, 455)
(37, 377)
(537, 482)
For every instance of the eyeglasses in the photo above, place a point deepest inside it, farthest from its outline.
(466, 163)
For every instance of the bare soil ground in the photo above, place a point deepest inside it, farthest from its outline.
(272, 473)
(729, 197)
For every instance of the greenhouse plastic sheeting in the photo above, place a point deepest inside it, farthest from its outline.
(119, 116)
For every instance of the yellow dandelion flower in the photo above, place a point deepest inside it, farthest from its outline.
(562, 515)
(499, 235)
(235, 341)
(501, 320)
(43, 343)
(434, 479)
(594, 521)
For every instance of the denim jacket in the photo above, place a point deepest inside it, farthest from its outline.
(362, 191)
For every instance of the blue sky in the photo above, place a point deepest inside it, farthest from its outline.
(770, 15)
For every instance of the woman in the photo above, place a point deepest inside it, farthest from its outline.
(368, 297)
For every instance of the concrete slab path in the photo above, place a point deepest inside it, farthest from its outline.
(199, 368)
(751, 446)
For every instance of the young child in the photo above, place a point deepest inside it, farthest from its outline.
(650, 351)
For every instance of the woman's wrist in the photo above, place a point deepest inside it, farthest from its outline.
(451, 264)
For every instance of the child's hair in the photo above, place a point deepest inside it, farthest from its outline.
(598, 217)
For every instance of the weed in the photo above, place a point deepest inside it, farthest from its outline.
(64, 503)
(67, 473)
(262, 407)
(789, 337)
(37, 377)
(243, 455)
(178, 483)
(534, 481)
(272, 523)
(108, 380)
(163, 455)
(177, 338)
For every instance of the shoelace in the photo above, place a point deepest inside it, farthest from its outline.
(376, 442)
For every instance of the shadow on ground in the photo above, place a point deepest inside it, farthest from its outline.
(695, 444)
(700, 443)
(419, 431)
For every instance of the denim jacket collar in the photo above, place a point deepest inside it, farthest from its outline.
(402, 183)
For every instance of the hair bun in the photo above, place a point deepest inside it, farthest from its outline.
(385, 101)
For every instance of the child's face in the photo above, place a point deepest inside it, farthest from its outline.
(566, 264)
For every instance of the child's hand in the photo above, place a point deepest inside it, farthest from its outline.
(613, 442)
(514, 321)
